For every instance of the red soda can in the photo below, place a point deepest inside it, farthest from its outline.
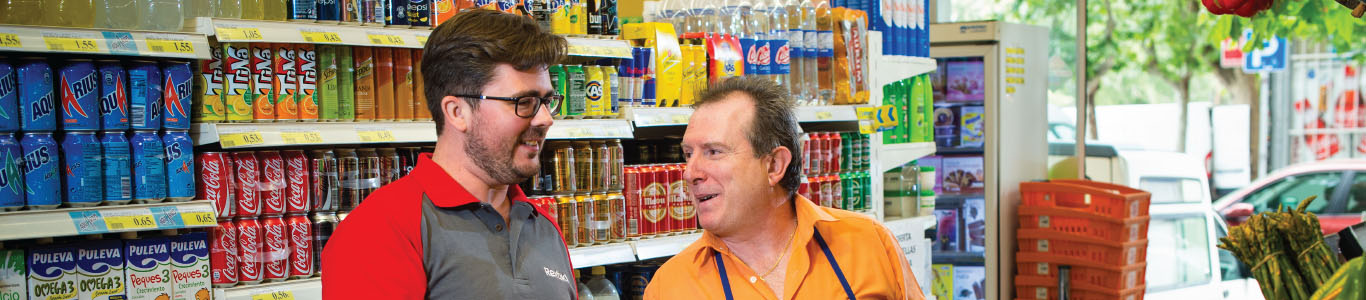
(815, 189)
(657, 197)
(805, 158)
(677, 197)
(827, 191)
(805, 188)
(223, 254)
(836, 151)
(247, 173)
(274, 236)
(249, 250)
(296, 182)
(215, 182)
(272, 183)
(300, 246)
(818, 148)
(631, 179)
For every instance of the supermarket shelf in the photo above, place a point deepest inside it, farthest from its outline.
(955, 198)
(30, 224)
(969, 258)
(249, 135)
(579, 46)
(959, 151)
(235, 30)
(584, 257)
(590, 129)
(665, 246)
(303, 289)
(832, 113)
(102, 41)
(886, 69)
(658, 116)
(891, 156)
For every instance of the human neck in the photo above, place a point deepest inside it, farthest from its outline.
(460, 167)
(761, 244)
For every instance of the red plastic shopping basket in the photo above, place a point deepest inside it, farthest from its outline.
(1045, 242)
(1044, 288)
(1102, 198)
(1117, 277)
(1078, 222)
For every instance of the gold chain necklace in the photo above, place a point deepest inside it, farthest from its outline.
(785, 251)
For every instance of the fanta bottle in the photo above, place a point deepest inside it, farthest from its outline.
(274, 10)
(71, 13)
(23, 12)
(161, 15)
(116, 14)
(229, 9)
(253, 9)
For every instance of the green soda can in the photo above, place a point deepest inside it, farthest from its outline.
(864, 190)
(847, 193)
(559, 80)
(330, 107)
(575, 106)
(346, 85)
(847, 151)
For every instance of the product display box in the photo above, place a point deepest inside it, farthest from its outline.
(975, 225)
(965, 80)
(943, 281)
(963, 175)
(947, 125)
(946, 237)
(972, 130)
(12, 269)
(969, 283)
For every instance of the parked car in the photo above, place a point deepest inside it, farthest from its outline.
(1339, 184)
(1184, 261)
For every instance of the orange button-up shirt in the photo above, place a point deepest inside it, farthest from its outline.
(867, 253)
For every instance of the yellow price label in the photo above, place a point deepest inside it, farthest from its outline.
(10, 40)
(238, 33)
(386, 40)
(578, 132)
(824, 115)
(198, 218)
(229, 140)
(170, 46)
(140, 221)
(278, 295)
(578, 50)
(307, 137)
(321, 36)
(866, 127)
(421, 39)
(619, 52)
(680, 119)
(868, 113)
(375, 136)
(71, 44)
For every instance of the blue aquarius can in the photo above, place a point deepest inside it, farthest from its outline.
(113, 95)
(118, 174)
(144, 95)
(36, 99)
(149, 167)
(11, 173)
(79, 86)
(179, 165)
(81, 169)
(176, 95)
(42, 182)
(9, 98)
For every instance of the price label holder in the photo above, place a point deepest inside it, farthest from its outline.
(679, 118)
(301, 137)
(10, 40)
(68, 42)
(167, 217)
(168, 45)
(274, 295)
(129, 219)
(824, 115)
(237, 33)
(197, 216)
(320, 36)
(240, 139)
(88, 222)
(375, 136)
(384, 39)
(421, 39)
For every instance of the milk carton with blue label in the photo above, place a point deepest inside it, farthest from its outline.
(12, 275)
(149, 268)
(99, 265)
(52, 272)
(190, 266)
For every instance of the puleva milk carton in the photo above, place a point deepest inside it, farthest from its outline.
(99, 265)
(190, 267)
(149, 267)
(13, 283)
(52, 272)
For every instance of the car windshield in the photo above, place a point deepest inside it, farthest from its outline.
(1173, 189)
(1178, 253)
(1291, 190)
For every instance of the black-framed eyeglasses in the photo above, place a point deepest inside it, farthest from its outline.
(527, 106)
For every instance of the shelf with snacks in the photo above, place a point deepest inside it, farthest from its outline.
(305, 289)
(103, 42)
(255, 135)
(29, 224)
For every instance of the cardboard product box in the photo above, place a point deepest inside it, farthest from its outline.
(969, 283)
(52, 272)
(190, 266)
(972, 128)
(938, 79)
(943, 281)
(148, 266)
(946, 236)
(947, 125)
(975, 225)
(13, 283)
(963, 175)
(965, 80)
(99, 265)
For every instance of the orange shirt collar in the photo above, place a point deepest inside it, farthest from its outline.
(444, 190)
(807, 215)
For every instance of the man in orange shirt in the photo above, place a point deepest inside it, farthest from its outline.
(762, 240)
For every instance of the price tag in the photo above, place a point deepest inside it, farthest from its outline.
(421, 39)
(305, 137)
(238, 33)
(197, 216)
(578, 50)
(680, 119)
(71, 44)
(866, 127)
(278, 295)
(129, 219)
(375, 136)
(167, 217)
(170, 46)
(88, 222)
(230, 140)
(10, 40)
(619, 52)
(578, 132)
(386, 40)
(824, 115)
(320, 36)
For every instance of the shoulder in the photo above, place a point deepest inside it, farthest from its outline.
(851, 222)
(392, 210)
(680, 271)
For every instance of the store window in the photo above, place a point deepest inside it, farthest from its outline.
(1292, 189)
(1356, 197)
(1173, 189)
(1179, 253)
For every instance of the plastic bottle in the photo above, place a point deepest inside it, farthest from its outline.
(756, 17)
(199, 8)
(21, 12)
(117, 14)
(793, 14)
(781, 66)
(584, 291)
(602, 288)
(230, 9)
(274, 10)
(69, 13)
(160, 15)
(253, 9)
(825, 60)
(811, 48)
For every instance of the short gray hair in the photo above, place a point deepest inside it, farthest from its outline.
(774, 122)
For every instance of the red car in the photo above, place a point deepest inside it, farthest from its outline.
(1339, 184)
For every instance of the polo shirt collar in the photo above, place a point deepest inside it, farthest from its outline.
(807, 216)
(444, 191)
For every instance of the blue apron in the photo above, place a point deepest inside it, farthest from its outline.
(725, 281)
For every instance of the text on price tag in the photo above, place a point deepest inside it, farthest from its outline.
(375, 136)
(320, 36)
(386, 40)
(237, 33)
(421, 39)
(279, 295)
(71, 44)
(302, 137)
(10, 40)
(824, 115)
(170, 46)
(229, 140)
(129, 219)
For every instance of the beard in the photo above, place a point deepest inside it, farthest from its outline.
(497, 157)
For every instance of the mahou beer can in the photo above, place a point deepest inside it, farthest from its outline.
(680, 207)
(275, 254)
(324, 185)
(323, 225)
(631, 178)
(216, 182)
(300, 246)
(296, 182)
(245, 170)
(271, 186)
(656, 201)
(223, 254)
(249, 254)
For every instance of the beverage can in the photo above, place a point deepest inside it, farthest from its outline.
(419, 13)
(348, 169)
(405, 108)
(9, 99)
(583, 205)
(300, 238)
(364, 58)
(568, 218)
(41, 179)
(145, 91)
(215, 182)
(250, 256)
(656, 201)
(52, 272)
(149, 167)
(113, 95)
(423, 112)
(616, 203)
(384, 84)
(324, 223)
(81, 169)
(190, 266)
(634, 183)
(610, 86)
(600, 224)
(223, 254)
(80, 87)
(346, 85)
(564, 173)
(208, 91)
(11, 173)
(324, 183)
(237, 90)
(328, 11)
(99, 265)
(247, 172)
(602, 166)
(408, 157)
(397, 15)
(36, 96)
(575, 105)
(306, 75)
(148, 268)
(263, 91)
(593, 92)
(275, 254)
(834, 152)
(296, 182)
(369, 179)
(388, 165)
(180, 181)
(647, 79)
(286, 82)
(829, 190)
(302, 11)
(272, 182)
(583, 166)
(324, 70)
(177, 95)
(680, 208)
(350, 11)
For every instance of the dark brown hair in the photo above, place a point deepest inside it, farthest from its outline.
(461, 53)
(773, 125)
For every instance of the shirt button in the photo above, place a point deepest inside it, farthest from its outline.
(752, 279)
(498, 227)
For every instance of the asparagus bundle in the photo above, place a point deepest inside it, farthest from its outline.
(1285, 250)
(1316, 262)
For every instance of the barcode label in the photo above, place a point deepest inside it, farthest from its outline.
(632, 228)
(115, 226)
(376, 41)
(157, 48)
(126, 191)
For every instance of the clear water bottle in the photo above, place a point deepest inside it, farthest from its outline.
(811, 48)
(161, 15)
(199, 8)
(781, 66)
(825, 59)
(229, 9)
(757, 25)
(117, 14)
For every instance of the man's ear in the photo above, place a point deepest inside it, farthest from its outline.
(782, 157)
(457, 113)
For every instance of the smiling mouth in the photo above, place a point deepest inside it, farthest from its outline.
(704, 198)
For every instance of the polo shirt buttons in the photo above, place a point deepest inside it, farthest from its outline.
(752, 279)
(498, 227)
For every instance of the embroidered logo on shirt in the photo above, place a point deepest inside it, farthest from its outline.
(556, 275)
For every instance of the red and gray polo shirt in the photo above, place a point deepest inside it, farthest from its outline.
(425, 236)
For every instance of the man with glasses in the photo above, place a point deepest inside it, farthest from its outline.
(458, 227)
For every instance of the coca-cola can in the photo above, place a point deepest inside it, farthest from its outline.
(272, 183)
(249, 251)
(247, 173)
(348, 168)
(407, 159)
(388, 165)
(275, 238)
(216, 182)
(325, 185)
(223, 254)
(300, 246)
(296, 182)
(323, 225)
